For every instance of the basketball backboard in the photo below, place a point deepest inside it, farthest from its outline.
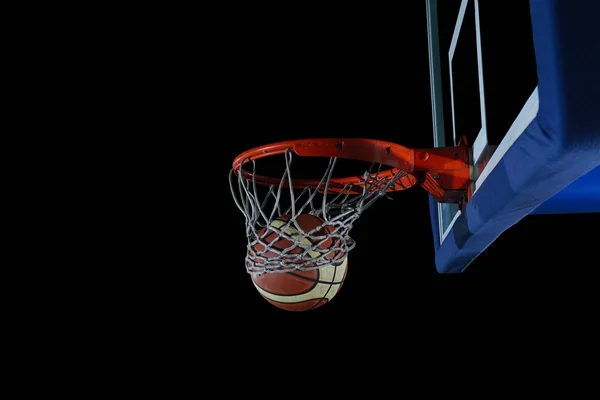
(487, 63)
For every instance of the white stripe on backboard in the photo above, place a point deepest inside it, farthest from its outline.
(457, 26)
(479, 145)
(527, 114)
(481, 141)
(452, 107)
(440, 224)
(450, 225)
(461, 16)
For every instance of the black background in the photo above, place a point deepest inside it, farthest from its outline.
(354, 72)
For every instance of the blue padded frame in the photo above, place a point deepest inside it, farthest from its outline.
(540, 171)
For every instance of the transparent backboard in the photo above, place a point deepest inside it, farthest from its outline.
(483, 82)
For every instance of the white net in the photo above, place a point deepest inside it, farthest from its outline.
(278, 240)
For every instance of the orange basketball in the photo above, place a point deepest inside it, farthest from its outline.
(300, 290)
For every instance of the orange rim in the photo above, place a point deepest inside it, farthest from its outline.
(386, 153)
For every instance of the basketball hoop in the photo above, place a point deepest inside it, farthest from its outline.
(338, 202)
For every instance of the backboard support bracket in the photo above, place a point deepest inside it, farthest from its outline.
(448, 170)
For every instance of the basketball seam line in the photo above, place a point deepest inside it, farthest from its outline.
(318, 281)
(328, 290)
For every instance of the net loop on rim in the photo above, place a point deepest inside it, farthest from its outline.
(274, 215)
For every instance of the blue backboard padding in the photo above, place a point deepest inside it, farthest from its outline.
(581, 196)
(560, 146)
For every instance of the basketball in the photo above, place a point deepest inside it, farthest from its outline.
(299, 290)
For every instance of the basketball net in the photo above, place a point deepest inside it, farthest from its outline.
(337, 205)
